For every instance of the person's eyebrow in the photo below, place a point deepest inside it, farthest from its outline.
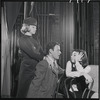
(74, 53)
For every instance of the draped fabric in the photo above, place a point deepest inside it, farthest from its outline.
(73, 24)
(10, 12)
(28, 9)
(96, 32)
(66, 31)
(86, 18)
(5, 62)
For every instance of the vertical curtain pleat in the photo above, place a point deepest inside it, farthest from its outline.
(96, 32)
(87, 29)
(25, 10)
(47, 22)
(42, 23)
(9, 15)
(3, 46)
(6, 78)
(12, 10)
(28, 9)
(67, 31)
(51, 30)
(71, 29)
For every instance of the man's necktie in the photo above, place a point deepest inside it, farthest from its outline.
(55, 67)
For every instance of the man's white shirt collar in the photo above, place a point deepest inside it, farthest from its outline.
(52, 60)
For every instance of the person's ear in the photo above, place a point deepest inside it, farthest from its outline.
(50, 51)
(28, 28)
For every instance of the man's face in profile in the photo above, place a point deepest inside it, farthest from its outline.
(56, 52)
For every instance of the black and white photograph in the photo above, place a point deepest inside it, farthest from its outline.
(50, 49)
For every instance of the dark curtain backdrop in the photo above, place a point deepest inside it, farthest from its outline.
(87, 19)
(74, 25)
(56, 23)
(66, 31)
(10, 12)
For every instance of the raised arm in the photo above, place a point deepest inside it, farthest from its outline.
(87, 69)
(61, 70)
(79, 67)
(30, 50)
(69, 72)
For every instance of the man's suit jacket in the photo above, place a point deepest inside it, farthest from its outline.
(45, 82)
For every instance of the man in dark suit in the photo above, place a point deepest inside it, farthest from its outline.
(44, 83)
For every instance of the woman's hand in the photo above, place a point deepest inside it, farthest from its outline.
(88, 78)
(79, 67)
(79, 56)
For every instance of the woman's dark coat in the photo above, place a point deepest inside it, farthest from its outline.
(31, 54)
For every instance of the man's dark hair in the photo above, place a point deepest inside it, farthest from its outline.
(51, 45)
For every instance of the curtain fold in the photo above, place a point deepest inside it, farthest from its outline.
(86, 18)
(67, 31)
(5, 64)
(12, 11)
(28, 9)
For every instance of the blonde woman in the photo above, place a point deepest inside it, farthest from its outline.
(31, 52)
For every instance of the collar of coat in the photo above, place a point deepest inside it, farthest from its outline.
(51, 65)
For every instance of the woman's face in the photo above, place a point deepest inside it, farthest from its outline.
(74, 56)
(32, 29)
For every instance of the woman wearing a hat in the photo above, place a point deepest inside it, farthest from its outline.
(32, 53)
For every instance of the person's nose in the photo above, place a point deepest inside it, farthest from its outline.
(60, 52)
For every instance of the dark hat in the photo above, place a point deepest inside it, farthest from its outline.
(30, 21)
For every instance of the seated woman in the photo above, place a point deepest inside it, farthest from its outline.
(78, 68)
